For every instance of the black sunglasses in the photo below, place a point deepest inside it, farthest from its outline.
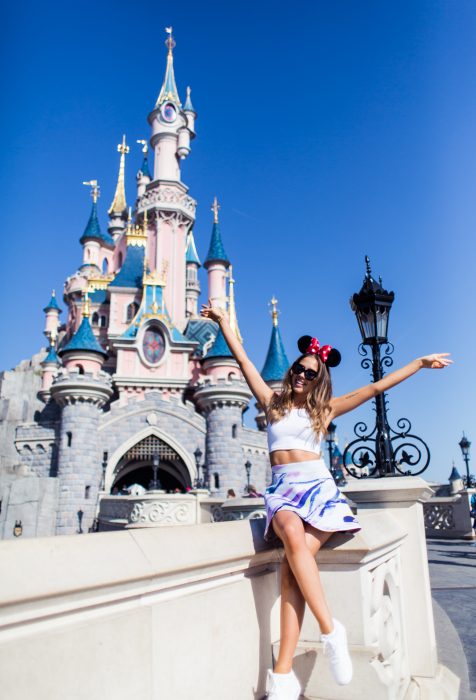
(298, 368)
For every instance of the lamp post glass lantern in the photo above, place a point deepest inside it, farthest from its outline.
(248, 474)
(383, 451)
(469, 479)
(198, 456)
(155, 484)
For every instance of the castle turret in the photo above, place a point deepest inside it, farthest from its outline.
(118, 209)
(93, 239)
(190, 112)
(143, 175)
(192, 291)
(216, 263)
(81, 390)
(223, 396)
(49, 367)
(456, 481)
(52, 312)
(171, 133)
(276, 363)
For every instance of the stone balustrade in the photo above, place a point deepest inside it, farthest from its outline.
(448, 517)
(157, 509)
(193, 611)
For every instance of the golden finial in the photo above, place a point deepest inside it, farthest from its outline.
(144, 144)
(86, 304)
(274, 310)
(232, 307)
(53, 336)
(169, 42)
(93, 184)
(215, 207)
(119, 205)
(136, 235)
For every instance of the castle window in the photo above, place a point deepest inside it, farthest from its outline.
(80, 369)
(105, 266)
(95, 319)
(119, 260)
(234, 431)
(103, 321)
(131, 310)
(153, 345)
(69, 438)
(231, 376)
(216, 480)
(87, 491)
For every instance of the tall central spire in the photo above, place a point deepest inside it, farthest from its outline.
(119, 205)
(232, 307)
(169, 91)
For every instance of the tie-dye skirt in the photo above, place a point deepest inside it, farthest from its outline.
(308, 489)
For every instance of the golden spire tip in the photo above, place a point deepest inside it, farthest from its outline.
(215, 207)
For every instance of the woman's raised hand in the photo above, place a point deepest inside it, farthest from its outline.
(213, 312)
(436, 361)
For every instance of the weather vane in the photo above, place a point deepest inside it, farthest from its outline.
(169, 42)
(274, 310)
(144, 144)
(215, 207)
(94, 185)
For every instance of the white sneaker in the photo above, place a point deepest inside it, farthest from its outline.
(282, 686)
(335, 648)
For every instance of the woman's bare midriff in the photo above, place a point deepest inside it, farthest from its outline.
(289, 456)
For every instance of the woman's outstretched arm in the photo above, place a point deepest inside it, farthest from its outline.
(346, 403)
(255, 381)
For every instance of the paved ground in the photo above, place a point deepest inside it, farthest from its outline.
(453, 586)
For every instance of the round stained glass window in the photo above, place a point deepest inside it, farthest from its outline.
(153, 345)
(168, 112)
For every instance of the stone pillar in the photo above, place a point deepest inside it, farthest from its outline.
(403, 497)
(79, 464)
(223, 402)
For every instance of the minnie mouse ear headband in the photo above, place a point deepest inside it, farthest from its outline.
(311, 346)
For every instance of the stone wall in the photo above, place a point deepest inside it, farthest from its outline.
(18, 404)
(193, 611)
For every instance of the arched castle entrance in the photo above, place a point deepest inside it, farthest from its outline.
(132, 463)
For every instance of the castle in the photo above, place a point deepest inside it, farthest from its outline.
(134, 378)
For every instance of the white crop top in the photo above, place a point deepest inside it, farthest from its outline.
(293, 432)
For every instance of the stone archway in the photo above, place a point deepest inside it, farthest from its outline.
(132, 462)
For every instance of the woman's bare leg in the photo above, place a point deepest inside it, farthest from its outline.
(293, 603)
(292, 532)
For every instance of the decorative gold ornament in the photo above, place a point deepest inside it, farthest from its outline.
(94, 185)
(215, 207)
(119, 204)
(274, 310)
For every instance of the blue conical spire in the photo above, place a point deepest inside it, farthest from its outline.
(188, 106)
(191, 255)
(144, 168)
(219, 348)
(169, 91)
(93, 229)
(216, 251)
(276, 363)
(84, 339)
(455, 475)
(52, 357)
(52, 304)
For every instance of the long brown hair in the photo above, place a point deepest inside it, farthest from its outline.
(317, 401)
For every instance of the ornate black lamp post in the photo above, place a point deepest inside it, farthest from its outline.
(465, 444)
(198, 456)
(155, 484)
(248, 474)
(330, 439)
(389, 449)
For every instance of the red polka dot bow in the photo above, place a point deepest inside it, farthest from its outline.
(314, 348)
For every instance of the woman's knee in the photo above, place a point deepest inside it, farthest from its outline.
(292, 533)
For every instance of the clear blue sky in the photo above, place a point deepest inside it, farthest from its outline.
(328, 130)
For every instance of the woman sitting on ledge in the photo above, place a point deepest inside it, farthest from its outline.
(303, 504)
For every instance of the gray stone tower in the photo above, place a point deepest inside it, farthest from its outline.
(81, 389)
